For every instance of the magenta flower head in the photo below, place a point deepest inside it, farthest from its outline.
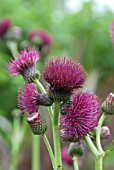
(64, 76)
(65, 156)
(29, 99)
(5, 24)
(28, 102)
(24, 65)
(112, 32)
(81, 116)
(41, 37)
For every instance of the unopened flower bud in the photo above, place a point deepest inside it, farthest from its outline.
(76, 149)
(31, 74)
(37, 123)
(44, 100)
(104, 133)
(108, 104)
(14, 33)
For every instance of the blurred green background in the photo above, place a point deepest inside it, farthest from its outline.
(82, 34)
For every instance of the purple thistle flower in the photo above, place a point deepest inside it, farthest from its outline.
(26, 59)
(27, 98)
(42, 36)
(81, 116)
(5, 24)
(112, 32)
(65, 156)
(64, 74)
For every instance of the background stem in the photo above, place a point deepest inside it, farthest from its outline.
(35, 152)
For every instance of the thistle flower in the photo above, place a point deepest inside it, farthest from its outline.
(5, 24)
(41, 37)
(24, 65)
(112, 32)
(37, 123)
(108, 104)
(29, 99)
(66, 158)
(81, 116)
(64, 76)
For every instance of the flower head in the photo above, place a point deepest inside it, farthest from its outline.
(40, 36)
(5, 24)
(81, 116)
(27, 98)
(112, 32)
(64, 74)
(65, 156)
(24, 64)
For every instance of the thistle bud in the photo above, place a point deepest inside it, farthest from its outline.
(31, 74)
(44, 100)
(108, 104)
(76, 149)
(37, 123)
(14, 33)
(104, 133)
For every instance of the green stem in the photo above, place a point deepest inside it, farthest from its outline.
(99, 163)
(40, 86)
(50, 151)
(98, 142)
(91, 146)
(56, 137)
(35, 152)
(75, 162)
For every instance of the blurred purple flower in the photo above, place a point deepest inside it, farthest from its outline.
(64, 74)
(81, 116)
(27, 98)
(5, 24)
(112, 32)
(26, 59)
(41, 36)
(65, 156)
